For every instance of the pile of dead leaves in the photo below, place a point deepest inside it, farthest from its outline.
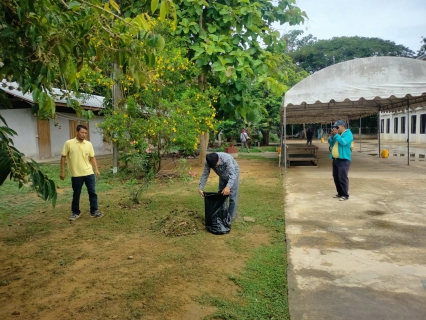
(179, 223)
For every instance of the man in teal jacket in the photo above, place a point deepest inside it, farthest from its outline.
(340, 143)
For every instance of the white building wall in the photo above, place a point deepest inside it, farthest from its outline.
(25, 125)
(61, 132)
(96, 138)
(416, 137)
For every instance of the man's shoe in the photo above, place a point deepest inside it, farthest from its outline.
(97, 214)
(74, 217)
(337, 196)
(344, 198)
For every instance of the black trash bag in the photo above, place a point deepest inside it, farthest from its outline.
(218, 219)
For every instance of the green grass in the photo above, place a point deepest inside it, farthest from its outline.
(269, 149)
(263, 282)
(258, 157)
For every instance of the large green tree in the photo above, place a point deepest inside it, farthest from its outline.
(422, 49)
(233, 43)
(46, 43)
(320, 54)
(270, 112)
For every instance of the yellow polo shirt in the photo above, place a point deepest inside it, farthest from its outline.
(78, 155)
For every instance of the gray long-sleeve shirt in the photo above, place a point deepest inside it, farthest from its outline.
(227, 169)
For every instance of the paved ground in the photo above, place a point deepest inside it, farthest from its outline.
(364, 258)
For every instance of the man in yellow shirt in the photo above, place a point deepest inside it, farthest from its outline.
(80, 155)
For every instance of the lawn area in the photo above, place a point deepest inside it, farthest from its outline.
(152, 260)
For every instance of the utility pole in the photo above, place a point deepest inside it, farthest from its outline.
(117, 96)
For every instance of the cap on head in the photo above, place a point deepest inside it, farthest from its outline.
(339, 123)
(212, 159)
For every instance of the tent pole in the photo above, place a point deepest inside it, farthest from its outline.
(284, 146)
(360, 134)
(408, 132)
(379, 129)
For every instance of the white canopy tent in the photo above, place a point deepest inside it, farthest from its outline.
(355, 89)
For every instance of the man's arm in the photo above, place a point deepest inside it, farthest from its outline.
(62, 174)
(332, 135)
(95, 166)
(203, 179)
(232, 176)
(346, 139)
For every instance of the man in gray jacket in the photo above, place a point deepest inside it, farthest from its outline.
(228, 171)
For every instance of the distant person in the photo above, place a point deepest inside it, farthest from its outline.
(225, 166)
(80, 155)
(244, 140)
(309, 135)
(340, 142)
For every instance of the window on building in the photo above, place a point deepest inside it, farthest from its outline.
(382, 125)
(387, 125)
(402, 124)
(423, 123)
(413, 124)
(395, 125)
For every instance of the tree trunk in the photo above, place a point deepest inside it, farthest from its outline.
(265, 137)
(204, 141)
(204, 138)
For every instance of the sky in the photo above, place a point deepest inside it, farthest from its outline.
(400, 21)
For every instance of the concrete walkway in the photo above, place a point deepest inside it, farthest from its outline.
(364, 258)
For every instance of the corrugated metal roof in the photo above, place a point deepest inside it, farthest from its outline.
(87, 101)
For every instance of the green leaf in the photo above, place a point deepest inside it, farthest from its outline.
(160, 43)
(36, 94)
(52, 105)
(151, 59)
(52, 192)
(210, 50)
(3, 120)
(217, 66)
(74, 5)
(114, 5)
(163, 10)
(7, 32)
(154, 5)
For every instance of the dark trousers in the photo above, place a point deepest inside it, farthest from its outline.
(340, 175)
(233, 196)
(77, 185)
